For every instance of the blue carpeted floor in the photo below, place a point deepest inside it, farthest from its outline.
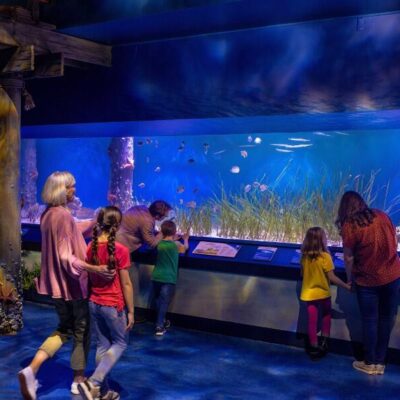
(191, 365)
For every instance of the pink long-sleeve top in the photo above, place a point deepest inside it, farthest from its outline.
(63, 251)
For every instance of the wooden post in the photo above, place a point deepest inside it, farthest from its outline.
(10, 228)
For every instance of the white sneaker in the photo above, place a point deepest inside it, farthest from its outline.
(28, 384)
(74, 388)
(379, 369)
(369, 369)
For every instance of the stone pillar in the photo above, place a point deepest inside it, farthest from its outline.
(10, 227)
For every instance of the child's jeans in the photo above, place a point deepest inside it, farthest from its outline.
(163, 293)
(111, 337)
(312, 310)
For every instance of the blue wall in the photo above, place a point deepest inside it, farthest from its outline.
(327, 66)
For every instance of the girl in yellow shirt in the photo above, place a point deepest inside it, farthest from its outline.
(317, 270)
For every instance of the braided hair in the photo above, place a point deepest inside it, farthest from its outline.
(108, 221)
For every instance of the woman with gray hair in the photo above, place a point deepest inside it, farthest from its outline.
(63, 276)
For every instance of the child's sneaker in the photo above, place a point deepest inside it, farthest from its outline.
(167, 324)
(160, 331)
(324, 345)
(27, 383)
(315, 353)
(88, 391)
(74, 388)
(110, 395)
(369, 369)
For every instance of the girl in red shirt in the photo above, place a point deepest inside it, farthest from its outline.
(111, 303)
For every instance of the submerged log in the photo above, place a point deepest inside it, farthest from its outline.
(10, 238)
(121, 178)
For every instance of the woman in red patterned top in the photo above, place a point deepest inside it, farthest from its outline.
(372, 264)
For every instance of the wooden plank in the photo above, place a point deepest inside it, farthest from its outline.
(21, 14)
(45, 42)
(49, 66)
(20, 60)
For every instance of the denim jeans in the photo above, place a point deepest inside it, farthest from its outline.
(111, 339)
(73, 323)
(378, 307)
(163, 292)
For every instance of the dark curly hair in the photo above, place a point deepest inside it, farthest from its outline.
(108, 221)
(159, 208)
(354, 209)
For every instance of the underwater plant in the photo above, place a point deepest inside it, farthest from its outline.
(282, 217)
(29, 276)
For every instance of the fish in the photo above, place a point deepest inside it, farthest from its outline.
(321, 133)
(181, 146)
(157, 169)
(249, 139)
(206, 146)
(291, 146)
(111, 197)
(148, 141)
(191, 204)
(263, 187)
(191, 160)
(284, 150)
(342, 133)
(219, 152)
(180, 201)
(141, 185)
(247, 188)
(256, 184)
(180, 189)
(139, 142)
(257, 140)
(244, 153)
(298, 139)
(195, 190)
(235, 169)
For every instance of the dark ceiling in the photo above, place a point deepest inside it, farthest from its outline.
(128, 21)
(182, 59)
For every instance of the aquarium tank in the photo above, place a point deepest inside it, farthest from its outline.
(264, 186)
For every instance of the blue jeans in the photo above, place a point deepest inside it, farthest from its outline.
(378, 307)
(111, 339)
(163, 293)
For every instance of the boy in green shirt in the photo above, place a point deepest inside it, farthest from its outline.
(165, 273)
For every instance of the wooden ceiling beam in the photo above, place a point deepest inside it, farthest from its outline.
(49, 42)
(21, 14)
(17, 60)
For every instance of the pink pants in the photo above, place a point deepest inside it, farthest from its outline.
(312, 309)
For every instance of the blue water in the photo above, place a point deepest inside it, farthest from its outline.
(184, 169)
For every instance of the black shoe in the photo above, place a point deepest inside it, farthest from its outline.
(324, 344)
(160, 331)
(315, 353)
